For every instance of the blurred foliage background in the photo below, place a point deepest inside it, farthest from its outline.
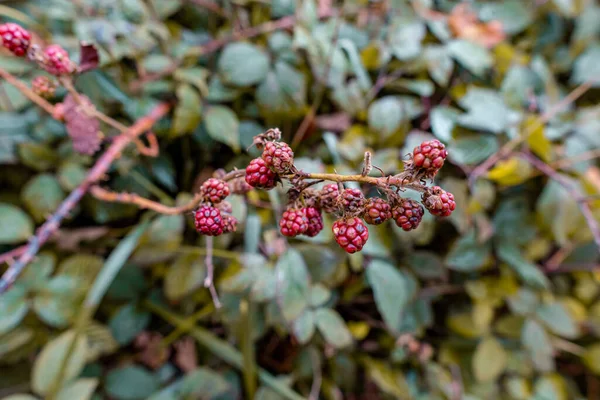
(499, 301)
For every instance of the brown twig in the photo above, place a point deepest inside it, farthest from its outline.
(210, 273)
(27, 92)
(507, 149)
(578, 197)
(152, 149)
(9, 256)
(94, 175)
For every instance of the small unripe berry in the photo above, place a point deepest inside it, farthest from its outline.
(208, 221)
(438, 201)
(377, 211)
(278, 156)
(315, 221)
(43, 86)
(214, 190)
(328, 197)
(293, 222)
(351, 234)
(224, 207)
(239, 186)
(352, 201)
(229, 223)
(259, 175)
(407, 214)
(15, 38)
(56, 61)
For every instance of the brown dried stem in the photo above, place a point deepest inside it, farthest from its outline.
(27, 92)
(210, 273)
(564, 182)
(152, 149)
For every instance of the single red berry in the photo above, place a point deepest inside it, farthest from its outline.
(408, 214)
(259, 175)
(15, 38)
(377, 211)
(315, 221)
(278, 156)
(214, 190)
(351, 234)
(430, 154)
(57, 61)
(293, 222)
(438, 201)
(328, 197)
(229, 223)
(352, 201)
(43, 86)
(209, 221)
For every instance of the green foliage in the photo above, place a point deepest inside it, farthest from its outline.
(500, 300)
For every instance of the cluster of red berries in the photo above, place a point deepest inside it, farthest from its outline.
(54, 59)
(213, 217)
(427, 159)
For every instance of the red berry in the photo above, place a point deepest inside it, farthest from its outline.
(57, 61)
(328, 197)
(15, 38)
(229, 223)
(352, 200)
(351, 234)
(43, 86)
(214, 190)
(259, 175)
(293, 222)
(279, 156)
(377, 211)
(408, 214)
(430, 155)
(209, 221)
(438, 201)
(315, 221)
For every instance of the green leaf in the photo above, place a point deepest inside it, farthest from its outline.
(196, 76)
(587, 66)
(70, 175)
(58, 300)
(443, 121)
(13, 308)
(222, 125)
(591, 358)
(472, 149)
(243, 64)
(282, 92)
(82, 389)
(557, 318)
(130, 383)
(427, 265)
(293, 283)
(486, 110)
(489, 360)
(390, 382)
(515, 15)
(471, 56)
(439, 64)
(385, 115)
(42, 195)
(390, 291)
(188, 110)
(186, 274)
(20, 397)
(16, 225)
(529, 272)
(37, 156)
(46, 367)
(36, 274)
(127, 323)
(304, 326)
(406, 37)
(333, 328)
(538, 345)
(559, 211)
(467, 254)
(319, 295)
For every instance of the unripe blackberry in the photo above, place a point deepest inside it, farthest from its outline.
(438, 201)
(224, 207)
(43, 86)
(214, 190)
(377, 211)
(351, 234)
(229, 223)
(208, 221)
(328, 197)
(315, 221)
(15, 38)
(56, 61)
(407, 214)
(278, 156)
(430, 154)
(239, 186)
(293, 222)
(352, 201)
(259, 175)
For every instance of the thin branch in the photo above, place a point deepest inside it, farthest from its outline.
(152, 149)
(579, 198)
(210, 273)
(95, 174)
(27, 92)
(507, 149)
(10, 256)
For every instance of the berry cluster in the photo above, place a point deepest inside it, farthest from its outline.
(213, 217)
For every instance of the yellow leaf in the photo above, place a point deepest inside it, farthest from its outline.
(575, 308)
(463, 324)
(537, 141)
(359, 329)
(489, 360)
(511, 172)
